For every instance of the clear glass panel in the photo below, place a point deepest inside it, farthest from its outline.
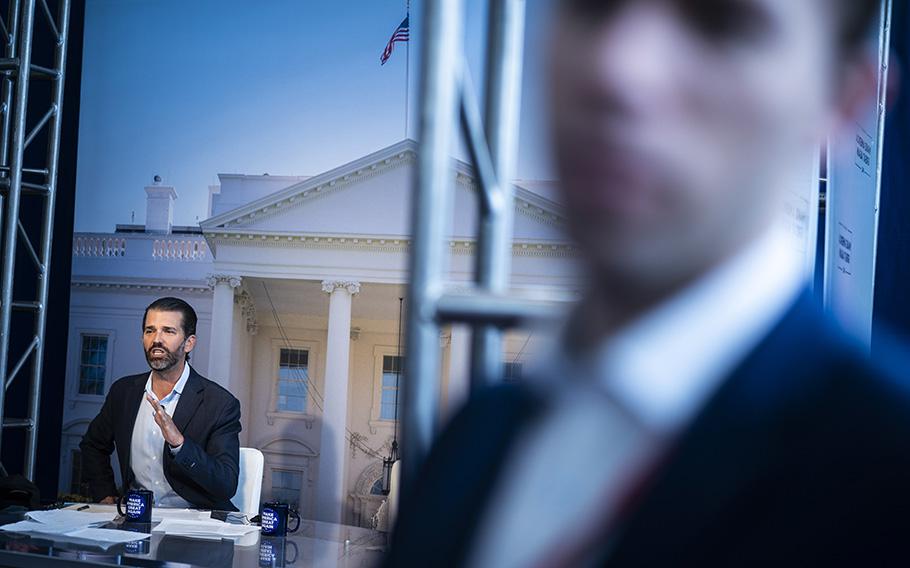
(292, 403)
(389, 380)
(295, 404)
(93, 364)
(293, 380)
(387, 411)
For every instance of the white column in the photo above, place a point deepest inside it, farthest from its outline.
(220, 344)
(459, 385)
(330, 486)
(241, 374)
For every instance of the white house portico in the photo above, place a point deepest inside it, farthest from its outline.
(297, 284)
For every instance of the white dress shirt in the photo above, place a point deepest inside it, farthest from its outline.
(575, 466)
(147, 445)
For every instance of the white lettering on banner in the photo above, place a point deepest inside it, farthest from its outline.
(864, 155)
(845, 248)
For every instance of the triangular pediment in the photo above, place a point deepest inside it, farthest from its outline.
(372, 196)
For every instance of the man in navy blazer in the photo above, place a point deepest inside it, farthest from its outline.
(175, 432)
(699, 409)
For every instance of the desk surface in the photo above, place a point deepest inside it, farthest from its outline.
(316, 544)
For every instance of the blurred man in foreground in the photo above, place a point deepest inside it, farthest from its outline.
(700, 411)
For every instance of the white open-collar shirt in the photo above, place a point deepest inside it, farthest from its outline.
(573, 467)
(148, 445)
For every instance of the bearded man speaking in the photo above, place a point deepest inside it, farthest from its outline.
(175, 432)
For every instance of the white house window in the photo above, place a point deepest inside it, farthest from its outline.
(511, 372)
(286, 484)
(391, 373)
(93, 364)
(293, 380)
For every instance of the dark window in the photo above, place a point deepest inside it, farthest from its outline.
(391, 375)
(293, 380)
(93, 364)
(286, 486)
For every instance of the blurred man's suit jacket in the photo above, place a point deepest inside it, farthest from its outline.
(801, 457)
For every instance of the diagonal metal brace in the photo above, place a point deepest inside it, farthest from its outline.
(50, 20)
(491, 198)
(31, 249)
(44, 119)
(21, 361)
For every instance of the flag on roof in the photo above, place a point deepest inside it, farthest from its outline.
(401, 33)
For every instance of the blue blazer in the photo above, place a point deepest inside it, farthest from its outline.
(802, 458)
(206, 469)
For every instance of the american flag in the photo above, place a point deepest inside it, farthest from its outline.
(402, 33)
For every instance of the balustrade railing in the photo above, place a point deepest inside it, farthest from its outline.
(96, 246)
(180, 249)
(163, 249)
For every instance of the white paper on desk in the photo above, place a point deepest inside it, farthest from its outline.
(111, 536)
(46, 528)
(206, 528)
(162, 513)
(34, 526)
(92, 508)
(158, 513)
(70, 517)
(58, 521)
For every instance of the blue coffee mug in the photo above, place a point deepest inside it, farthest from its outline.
(138, 506)
(274, 519)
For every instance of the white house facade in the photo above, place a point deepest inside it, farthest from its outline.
(296, 281)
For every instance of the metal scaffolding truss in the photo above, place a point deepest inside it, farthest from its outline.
(37, 182)
(447, 99)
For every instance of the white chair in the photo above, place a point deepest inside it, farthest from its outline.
(249, 484)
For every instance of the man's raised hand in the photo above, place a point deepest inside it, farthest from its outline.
(164, 421)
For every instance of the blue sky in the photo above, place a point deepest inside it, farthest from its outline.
(193, 88)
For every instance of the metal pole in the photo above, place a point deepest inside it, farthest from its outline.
(407, 72)
(53, 154)
(10, 53)
(432, 196)
(15, 187)
(498, 310)
(884, 52)
(502, 99)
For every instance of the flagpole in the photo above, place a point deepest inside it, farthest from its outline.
(407, 70)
